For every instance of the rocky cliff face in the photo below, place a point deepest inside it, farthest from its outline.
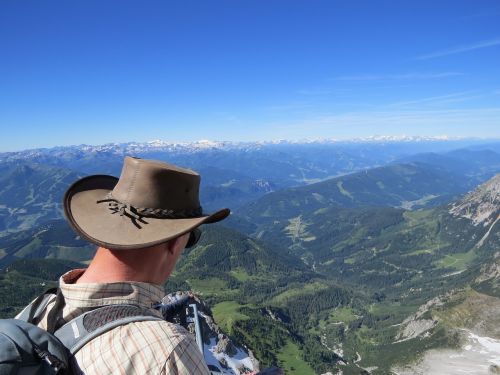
(482, 205)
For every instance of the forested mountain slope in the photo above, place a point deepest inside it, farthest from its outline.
(31, 194)
(407, 186)
(53, 239)
(366, 272)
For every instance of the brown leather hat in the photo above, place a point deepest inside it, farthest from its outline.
(152, 202)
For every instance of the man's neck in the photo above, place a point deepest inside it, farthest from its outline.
(109, 266)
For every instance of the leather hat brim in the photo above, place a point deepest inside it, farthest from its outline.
(98, 224)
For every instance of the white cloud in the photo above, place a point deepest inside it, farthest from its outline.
(460, 49)
(406, 76)
(439, 99)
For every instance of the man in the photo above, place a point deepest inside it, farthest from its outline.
(141, 223)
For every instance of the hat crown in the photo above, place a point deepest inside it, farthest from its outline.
(152, 184)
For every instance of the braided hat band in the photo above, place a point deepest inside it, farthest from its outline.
(125, 209)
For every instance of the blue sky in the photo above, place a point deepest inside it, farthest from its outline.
(94, 72)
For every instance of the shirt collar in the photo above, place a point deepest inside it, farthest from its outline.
(87, 295)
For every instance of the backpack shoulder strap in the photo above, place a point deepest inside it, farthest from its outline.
(86, 327)
(34, 311)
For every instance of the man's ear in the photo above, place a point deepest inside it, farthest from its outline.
(171, 245)
(176, 245)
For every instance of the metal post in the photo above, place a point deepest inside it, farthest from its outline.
(197, 327)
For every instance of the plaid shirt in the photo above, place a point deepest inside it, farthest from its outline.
(149, 347)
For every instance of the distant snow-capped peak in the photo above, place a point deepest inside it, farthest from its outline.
(407, 138)
(205, 144)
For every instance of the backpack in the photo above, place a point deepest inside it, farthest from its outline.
(26, 349)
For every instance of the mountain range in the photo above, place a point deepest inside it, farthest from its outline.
(352, 258)
(233, 174)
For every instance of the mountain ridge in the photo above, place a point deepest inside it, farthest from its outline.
(133, 146)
